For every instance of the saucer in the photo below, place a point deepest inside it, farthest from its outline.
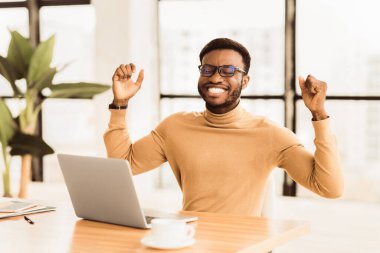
(151, 242)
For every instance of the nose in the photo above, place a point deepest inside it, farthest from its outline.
(216, 78)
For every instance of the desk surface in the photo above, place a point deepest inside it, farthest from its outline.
(62, 231)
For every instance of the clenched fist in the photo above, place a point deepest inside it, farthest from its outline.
(123, 86)
(314, 96)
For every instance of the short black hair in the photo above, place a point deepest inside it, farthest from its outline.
(225, 43)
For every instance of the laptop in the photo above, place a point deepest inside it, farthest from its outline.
(102, 189)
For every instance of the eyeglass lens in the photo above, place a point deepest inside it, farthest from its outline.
(225, 70)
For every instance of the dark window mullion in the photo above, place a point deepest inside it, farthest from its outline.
(34, 38)
(63, 2)
(289, 186)
(368, 98)
(13, 4)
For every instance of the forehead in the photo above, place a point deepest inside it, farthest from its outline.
(223, 57)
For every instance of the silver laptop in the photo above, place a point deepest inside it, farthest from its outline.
(102, 189)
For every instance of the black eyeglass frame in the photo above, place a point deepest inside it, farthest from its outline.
(219, 69)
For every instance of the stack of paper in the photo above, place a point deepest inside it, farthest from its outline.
(15, 208)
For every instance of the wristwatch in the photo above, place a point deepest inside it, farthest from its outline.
(117, 107)
(118, 104)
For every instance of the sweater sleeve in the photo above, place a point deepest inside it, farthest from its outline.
(321, 172)
(143, 155)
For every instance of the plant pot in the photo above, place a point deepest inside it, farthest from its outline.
(26, 167)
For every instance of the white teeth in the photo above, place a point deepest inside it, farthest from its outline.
(215, 90)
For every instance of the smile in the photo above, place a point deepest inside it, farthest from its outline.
(216, 90)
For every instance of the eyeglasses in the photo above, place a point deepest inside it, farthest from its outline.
(208, 70)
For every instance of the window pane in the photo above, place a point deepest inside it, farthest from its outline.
(358, 136)
(13, 19)
(68, 129)
(74, 40)
(343, 47)
(186, 26)
(63, 123)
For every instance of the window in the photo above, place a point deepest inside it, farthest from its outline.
(257, 25)
(23, 16)
(11, 19)
(186, 26)
(74, 46)
(342, 48)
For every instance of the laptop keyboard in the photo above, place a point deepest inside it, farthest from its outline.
(149, 219)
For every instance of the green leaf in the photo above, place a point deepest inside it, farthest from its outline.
(45, 80)
(9, 73)
(40, 62)
(7, 125)
(77, 90)
(19, 54)
(23, 144)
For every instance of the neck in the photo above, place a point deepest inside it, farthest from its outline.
(222, 109)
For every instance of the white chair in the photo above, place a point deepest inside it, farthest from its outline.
(269, 205)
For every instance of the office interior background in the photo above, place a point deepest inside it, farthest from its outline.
(336, 41)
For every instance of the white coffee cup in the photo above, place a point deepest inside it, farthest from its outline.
(171, 231)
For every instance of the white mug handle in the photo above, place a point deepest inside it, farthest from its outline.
(190, 231)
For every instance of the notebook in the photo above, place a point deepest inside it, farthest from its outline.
(102, 189)
(16, 208)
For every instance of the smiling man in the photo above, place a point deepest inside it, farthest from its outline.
(222, 91)
(222, 157)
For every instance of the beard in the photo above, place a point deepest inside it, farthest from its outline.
(232, 100)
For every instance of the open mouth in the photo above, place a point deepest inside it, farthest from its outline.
(215, 90)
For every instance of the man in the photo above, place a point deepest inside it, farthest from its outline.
(222, 157)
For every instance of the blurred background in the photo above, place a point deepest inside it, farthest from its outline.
(336, 41)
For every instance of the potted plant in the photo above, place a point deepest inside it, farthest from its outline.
(32, 65)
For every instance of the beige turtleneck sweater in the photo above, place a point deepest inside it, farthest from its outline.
(222, 161)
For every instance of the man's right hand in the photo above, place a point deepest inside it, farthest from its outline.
(123, 86)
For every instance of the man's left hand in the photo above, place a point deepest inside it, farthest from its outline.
(314, 96)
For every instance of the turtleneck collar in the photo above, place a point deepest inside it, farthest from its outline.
(225, 119)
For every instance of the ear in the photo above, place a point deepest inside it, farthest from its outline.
(245, 81)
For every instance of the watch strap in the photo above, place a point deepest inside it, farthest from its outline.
(117, 107)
